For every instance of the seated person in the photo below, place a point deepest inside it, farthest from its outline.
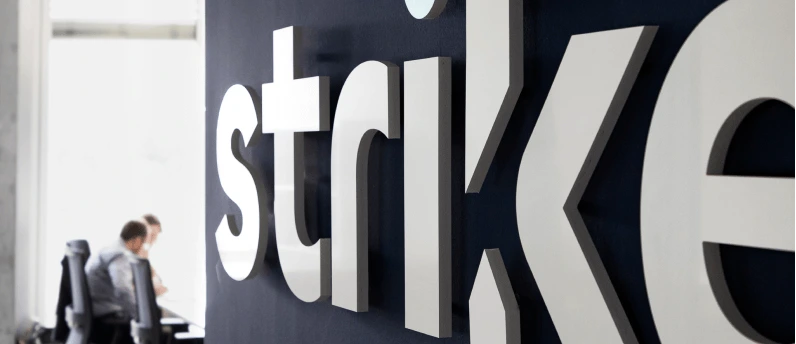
(153, 230)
(110, 280)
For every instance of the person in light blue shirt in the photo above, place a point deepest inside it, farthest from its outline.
(153, 231)
(110, 282)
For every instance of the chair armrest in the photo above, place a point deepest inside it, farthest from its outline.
(172, 321)
(189, 335)
(195, 333)
(174, 325)
(141, 334)
(75, 320)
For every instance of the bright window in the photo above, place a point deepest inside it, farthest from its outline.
(126, 11)
(124, 136)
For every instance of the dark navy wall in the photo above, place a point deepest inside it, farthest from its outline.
(344, 33)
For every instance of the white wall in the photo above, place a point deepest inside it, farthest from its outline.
(124, 137)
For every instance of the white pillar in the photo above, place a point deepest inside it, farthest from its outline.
(9, 92)
(24, 28)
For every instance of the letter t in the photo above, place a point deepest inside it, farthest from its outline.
(292, 106)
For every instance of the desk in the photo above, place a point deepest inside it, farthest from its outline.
(188, 308)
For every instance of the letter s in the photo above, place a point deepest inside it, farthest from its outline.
(241, 253)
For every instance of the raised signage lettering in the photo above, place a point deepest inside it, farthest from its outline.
(739, 56)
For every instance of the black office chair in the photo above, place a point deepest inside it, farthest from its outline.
(78, 314)
(145, 328)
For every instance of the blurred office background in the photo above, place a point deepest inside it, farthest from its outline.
(112, 93)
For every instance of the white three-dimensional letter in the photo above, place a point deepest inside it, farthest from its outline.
(494, 81)
(740, 55)
(427, 195)
(425, 9)
(494, 313)
(369, 103)
(292, 106)
(241, 254)
(587, 96)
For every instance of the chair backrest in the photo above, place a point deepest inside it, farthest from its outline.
(79, 313)
(145, 328)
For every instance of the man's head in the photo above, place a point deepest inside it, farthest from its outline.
(134, 233)
(154, 229)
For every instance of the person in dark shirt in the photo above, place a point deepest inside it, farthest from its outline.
(110, 280)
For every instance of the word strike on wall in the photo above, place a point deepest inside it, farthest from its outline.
(736, 58)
